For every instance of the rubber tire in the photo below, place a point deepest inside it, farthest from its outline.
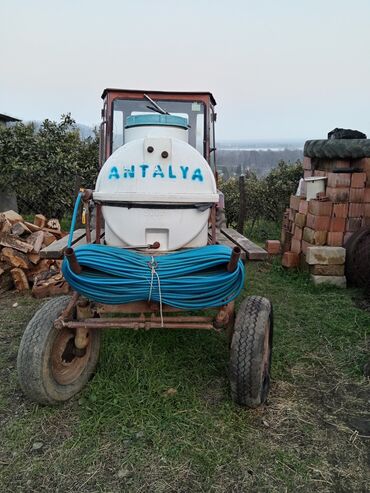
(337, 148)
(33, 362)
(248, 387)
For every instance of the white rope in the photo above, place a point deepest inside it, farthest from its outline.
(152, 266)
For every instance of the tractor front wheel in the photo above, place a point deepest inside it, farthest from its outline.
(251, 351)
(50, 368)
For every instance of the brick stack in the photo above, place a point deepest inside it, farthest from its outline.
(333, 217)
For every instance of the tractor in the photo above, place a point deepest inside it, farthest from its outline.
(155, 252)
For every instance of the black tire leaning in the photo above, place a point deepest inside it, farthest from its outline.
(251, 351)
(34, 356)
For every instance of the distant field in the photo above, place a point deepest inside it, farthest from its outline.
(157, 416)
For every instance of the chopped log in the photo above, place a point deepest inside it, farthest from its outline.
(6, 281)
(51, 287)
(32, 227)
(39, 220)
(36, 239)
(49, 238)
(15, 258)
(19, 279)
(42, 266)
(19, 229)
(53, 224)
(13, 217)
(58, 234)
(5, 224)
(10, 241)
(34, 258)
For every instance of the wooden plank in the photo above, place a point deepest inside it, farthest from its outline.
(221, 239)
(82, 241)
(56, 249)
(253, 251)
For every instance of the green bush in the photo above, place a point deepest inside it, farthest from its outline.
(44, 166)
(266, 198)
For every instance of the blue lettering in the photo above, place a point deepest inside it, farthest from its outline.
(129, 173)
(113, 173)
(197, 175)
(144, 167)
(170, 172)
(184, 170)
(158, 172)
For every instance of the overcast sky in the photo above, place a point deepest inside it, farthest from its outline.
(279, 69)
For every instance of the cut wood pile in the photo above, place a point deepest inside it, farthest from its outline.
(329, 219)
(21, 265)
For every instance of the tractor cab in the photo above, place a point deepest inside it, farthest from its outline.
(196, 107)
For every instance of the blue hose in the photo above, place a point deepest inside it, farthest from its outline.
(190, 279)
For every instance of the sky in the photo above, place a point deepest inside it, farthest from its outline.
(279, 69)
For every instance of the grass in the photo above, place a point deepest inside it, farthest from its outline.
(157, 416)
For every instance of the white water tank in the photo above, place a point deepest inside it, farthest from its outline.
(156, 187)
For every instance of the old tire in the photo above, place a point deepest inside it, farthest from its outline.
(251, 351)
(49, 371)
(347, 149)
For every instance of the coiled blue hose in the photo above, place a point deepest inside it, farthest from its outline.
(190, 279)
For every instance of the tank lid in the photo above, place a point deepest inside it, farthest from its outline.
(157, 119)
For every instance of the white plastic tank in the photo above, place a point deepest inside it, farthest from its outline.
(156, 187)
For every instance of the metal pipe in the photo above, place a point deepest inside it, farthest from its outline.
(139, 324)
(72, 260)
(234, 259)
(87, 221)
(98, 223)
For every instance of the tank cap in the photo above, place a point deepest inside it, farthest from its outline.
(166, 120)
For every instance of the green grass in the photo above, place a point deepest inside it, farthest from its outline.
(128, 432)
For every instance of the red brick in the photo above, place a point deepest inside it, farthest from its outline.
(335, 238)
(319, 172)
(356, 210)
(307, 163)
(292, 213)
(363, 164)
(337, 180)
(358, 180)
(296, 246)
(318, 223)
(273, 247)
(337, 225)
(307, 173)
(320, 237)
(340, 164)
(340, 210)
(300, 219)
(320, 208)
(367, 195)
(308, 235)
(294, 202)
(353, 223)
(338, 194)
(298, 233)
(357, 195)
(366, 210)
(346, 237)
(290, 259)
(365, 221)
(303, 207)
(305, 245)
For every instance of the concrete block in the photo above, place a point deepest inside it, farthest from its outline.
(337, 281)
(327, 270)
(325, 255)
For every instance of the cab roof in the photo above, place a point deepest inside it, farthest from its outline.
(188, 93)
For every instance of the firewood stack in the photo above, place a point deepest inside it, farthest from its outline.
(20, 263)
